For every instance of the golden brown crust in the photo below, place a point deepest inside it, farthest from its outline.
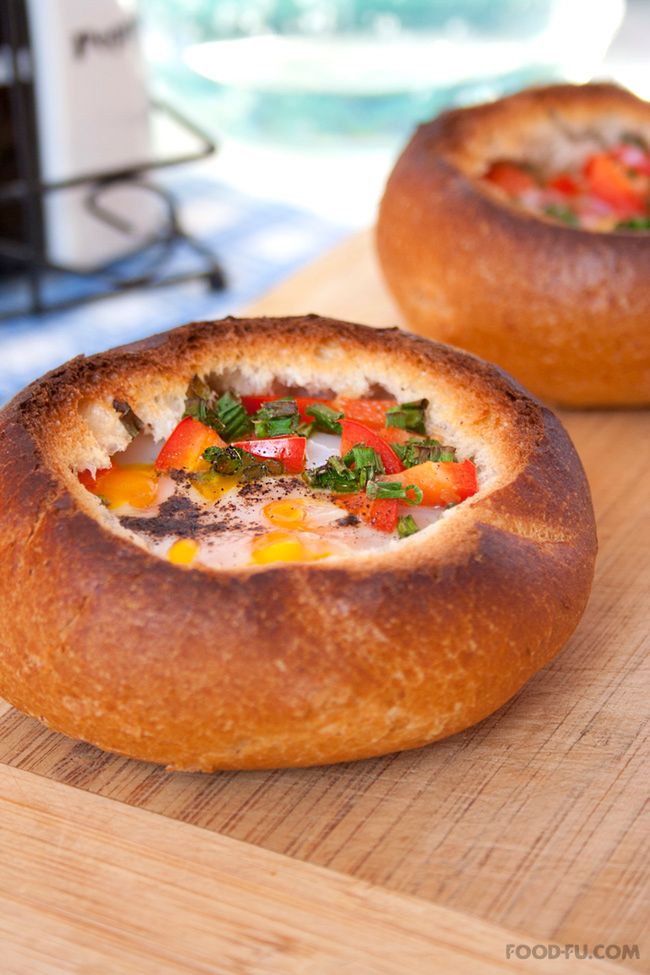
(293, 664)
(564, 310)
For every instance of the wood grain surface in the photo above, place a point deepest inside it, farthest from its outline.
(102, 888)
(535, 820)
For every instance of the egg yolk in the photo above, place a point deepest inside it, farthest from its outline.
(183, 551)
(286, 513)
(279, 546)
(134, 484)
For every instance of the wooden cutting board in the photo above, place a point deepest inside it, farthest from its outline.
(529, 828)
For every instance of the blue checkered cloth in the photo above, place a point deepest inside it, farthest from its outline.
(257, 242)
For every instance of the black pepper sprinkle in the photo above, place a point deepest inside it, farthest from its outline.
(180, 477)
(347, 520)
(258, 490)
(180, 515)
(177, 515)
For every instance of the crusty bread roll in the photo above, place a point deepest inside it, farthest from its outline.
(565, 310)
(293, 664)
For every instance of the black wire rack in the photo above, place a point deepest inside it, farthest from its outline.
(27, 255)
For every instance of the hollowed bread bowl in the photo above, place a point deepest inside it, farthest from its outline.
(565, 310)
(294, 664)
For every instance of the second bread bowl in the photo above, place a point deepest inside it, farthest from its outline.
(519, 277)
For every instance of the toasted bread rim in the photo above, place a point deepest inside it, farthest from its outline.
(296, 664)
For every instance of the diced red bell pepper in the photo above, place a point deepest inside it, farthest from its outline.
(90, 482)
(353, 433)
(252, 403)
(441, 483)
(608, 179)
(371, 412)
(183, 449)
(564, 183)
(511, 178)
(381, 514)
(397, 435)
(289, 450)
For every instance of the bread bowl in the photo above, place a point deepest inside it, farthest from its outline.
(281, 664)
(564, 308)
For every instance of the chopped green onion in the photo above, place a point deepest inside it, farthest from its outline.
(199, 404)
(419, 451)
(131, 423)
(365, 461)
(224, 460)
(233, 416)
(345, 475)
(417, 492)
(325, 418)
(279, 418)
(406, 526)
(564, 214)
(408, 416)
(394, 491)
(634, 223)
(633, 139)
(333, 475)
(225, 413)
(305, 429)
(198, 389)
(234, 460)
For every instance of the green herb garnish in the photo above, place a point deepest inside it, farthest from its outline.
(394, 491)
(325, 418)
(234, 460)
(131, 423)
(408, 416)
(333, 475)
(279, 418)
(406, 526)
(305, 429)
(634, 223)
(200, 403)
(564, 214)
(345, 475)
(634, 139)
(416, 452)
(233, 416)
(366, 463)
(225, 413)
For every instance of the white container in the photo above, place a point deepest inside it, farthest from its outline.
(92, 115)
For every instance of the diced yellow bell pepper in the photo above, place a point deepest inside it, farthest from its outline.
(183, 551)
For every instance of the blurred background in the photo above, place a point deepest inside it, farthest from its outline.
(165, 160)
